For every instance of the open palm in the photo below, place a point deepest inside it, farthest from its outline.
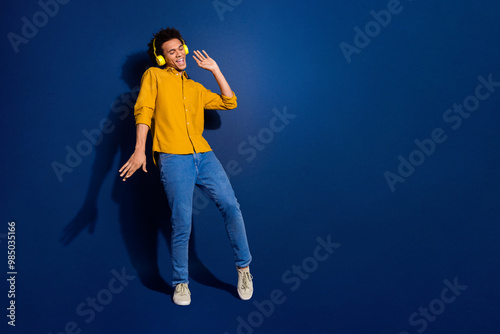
(204, 61)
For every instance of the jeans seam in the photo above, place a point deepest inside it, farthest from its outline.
(214, 198)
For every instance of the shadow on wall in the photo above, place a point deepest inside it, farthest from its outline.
(144, 214)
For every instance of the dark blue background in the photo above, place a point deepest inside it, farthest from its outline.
(321, 176)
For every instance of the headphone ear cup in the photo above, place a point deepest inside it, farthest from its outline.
(186, 48)
(160, 60)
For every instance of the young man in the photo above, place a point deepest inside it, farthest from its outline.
(172, 106)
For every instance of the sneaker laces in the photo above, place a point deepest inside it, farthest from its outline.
(182, 289)
(245, 279)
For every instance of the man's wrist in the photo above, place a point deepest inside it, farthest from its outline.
(216, 71)
(140, 149)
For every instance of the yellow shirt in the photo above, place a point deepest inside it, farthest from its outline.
(173, 107)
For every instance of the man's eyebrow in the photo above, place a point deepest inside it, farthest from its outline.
(173, 49)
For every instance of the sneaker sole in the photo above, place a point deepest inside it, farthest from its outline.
(182, 303)
(245, 298)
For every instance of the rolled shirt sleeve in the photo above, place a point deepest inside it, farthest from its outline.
(146, 101)
(215, 101)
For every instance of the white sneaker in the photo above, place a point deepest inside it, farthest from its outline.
(245, 284)
(182, 295)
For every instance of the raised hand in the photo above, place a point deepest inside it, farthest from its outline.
(204, 61)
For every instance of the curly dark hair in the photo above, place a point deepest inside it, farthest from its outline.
(162, 36)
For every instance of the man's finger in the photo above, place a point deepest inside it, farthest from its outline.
(124, 171)
(129, 174)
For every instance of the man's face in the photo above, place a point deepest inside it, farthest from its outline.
(174, 54)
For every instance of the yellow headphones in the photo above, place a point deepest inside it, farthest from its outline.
(160, 60)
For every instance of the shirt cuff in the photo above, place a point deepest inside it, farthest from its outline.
(143, 119)
(228, 98)
(229, 102)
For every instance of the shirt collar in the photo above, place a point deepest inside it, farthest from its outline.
(174, 71)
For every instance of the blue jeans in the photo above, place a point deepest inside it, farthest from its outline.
(179, 175)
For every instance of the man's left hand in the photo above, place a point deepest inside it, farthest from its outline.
(204, 61)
